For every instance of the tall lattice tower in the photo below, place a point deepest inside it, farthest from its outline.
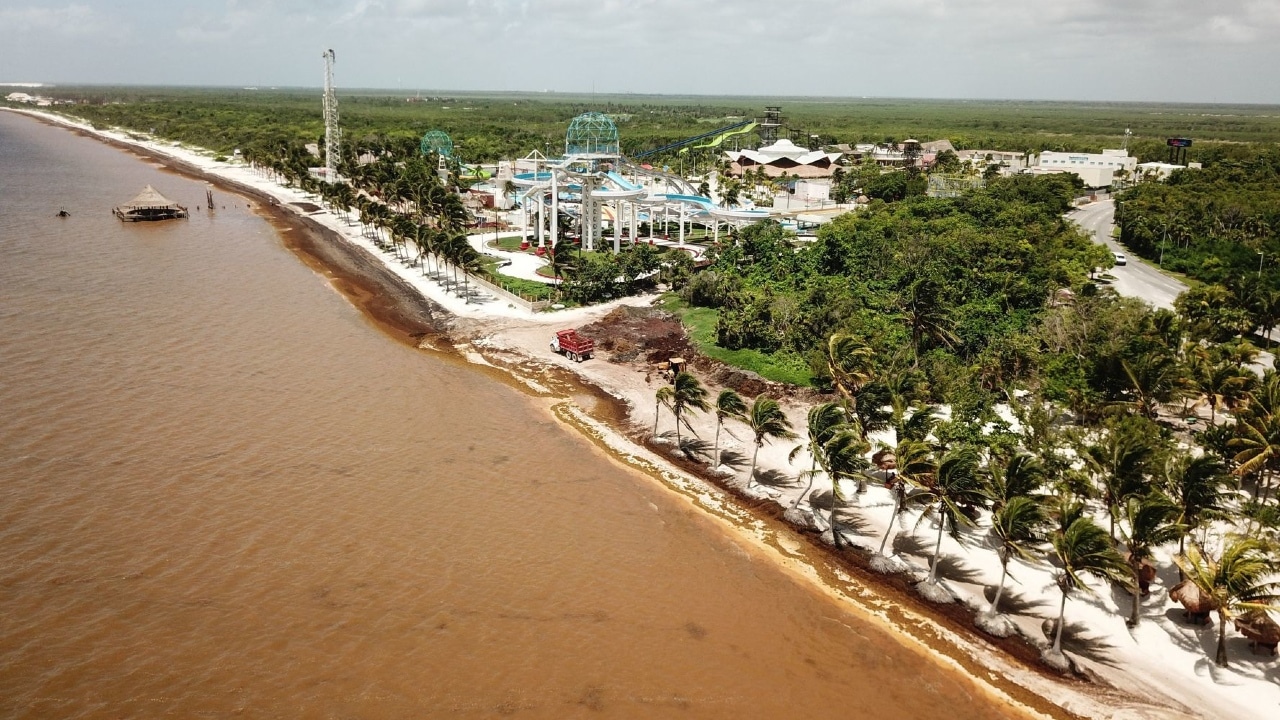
(332, 134)
(768, 127)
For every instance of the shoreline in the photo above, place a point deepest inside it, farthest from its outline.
(494, 339)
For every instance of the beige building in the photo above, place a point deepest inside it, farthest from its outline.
(1097, 170)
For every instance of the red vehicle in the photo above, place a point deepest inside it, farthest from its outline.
(572, 345)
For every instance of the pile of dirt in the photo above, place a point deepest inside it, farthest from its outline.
(631, 334)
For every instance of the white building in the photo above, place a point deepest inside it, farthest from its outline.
(1095, 169)
(1155, 170)
(1009, 160)
(784, 158)
(812, 191)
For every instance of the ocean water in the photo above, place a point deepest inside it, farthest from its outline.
(224, 491)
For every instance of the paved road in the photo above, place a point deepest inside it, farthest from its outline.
(1135, 279)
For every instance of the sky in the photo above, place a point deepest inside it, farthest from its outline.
(1213, 51)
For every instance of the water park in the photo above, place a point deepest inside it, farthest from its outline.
(598, 199)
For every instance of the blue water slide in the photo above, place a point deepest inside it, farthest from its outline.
(624, 183)
(703, 202)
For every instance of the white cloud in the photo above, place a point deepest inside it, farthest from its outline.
(1104, 49)
(71, 19)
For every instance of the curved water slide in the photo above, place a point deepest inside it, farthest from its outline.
(717, 140)
(705, 204)
(675, 182)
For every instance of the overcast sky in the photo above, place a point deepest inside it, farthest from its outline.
(1176, 50)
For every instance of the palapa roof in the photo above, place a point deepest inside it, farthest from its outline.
(1256, 626)
(149, 198)
(1192, 598)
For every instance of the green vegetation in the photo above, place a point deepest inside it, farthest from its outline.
(701, 324)
(490, 126)
(1220, 226)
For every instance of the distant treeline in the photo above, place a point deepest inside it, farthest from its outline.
(486, 128)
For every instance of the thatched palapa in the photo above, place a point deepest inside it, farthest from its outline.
(1197, 604)
(150, 205)
(1262, 631)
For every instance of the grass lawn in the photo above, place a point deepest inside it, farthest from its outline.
(530, 289)
(701, 324)
(510, 244)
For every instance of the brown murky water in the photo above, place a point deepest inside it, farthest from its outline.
(224, 491)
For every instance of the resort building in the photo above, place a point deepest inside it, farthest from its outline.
(1010, 162)
(784, 158)
(1097, 170)
(1155, 170)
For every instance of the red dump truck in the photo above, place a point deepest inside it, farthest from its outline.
(572, 345)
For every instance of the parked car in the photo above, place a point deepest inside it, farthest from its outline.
(1120, 258)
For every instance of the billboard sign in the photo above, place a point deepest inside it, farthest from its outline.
(1178, 142)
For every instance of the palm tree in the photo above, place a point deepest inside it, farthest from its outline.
(850, 363)
(918, 425)
(1081, 548)
(1120, 462)
(824, 422)
(1155, 379)
(766, 420)
(843, 456)
(954, 488)
(1258, 440)
(1236, 581)
(1222, 384)
(1022, 475)
(915, 466)
(926, 317)
(1198, 486)
(1151, 522)
(729, 404)
(662, 397)
(1016, 529)
(687, 395)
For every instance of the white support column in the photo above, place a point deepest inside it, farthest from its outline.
(555, 209)
(717, 232)
(617, 226)
(542, 222)
(683, 206)
(524, 219)
(635, 221)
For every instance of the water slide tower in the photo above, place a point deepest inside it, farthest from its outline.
(768, 127)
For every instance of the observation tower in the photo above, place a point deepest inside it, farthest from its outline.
(591, 136)
(438, 142)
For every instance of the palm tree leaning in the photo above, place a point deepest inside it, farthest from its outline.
(843, 456)
(1258, 441)
(916, 466)
(729, 404)
(687, 395)
(766, 420)
(1199, 487)
(954, 487)
(1016, 528)
(825, 420)
(850, 363)
(1082, 548)
(662, 397)
(1236, 581)
(1147, 523)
